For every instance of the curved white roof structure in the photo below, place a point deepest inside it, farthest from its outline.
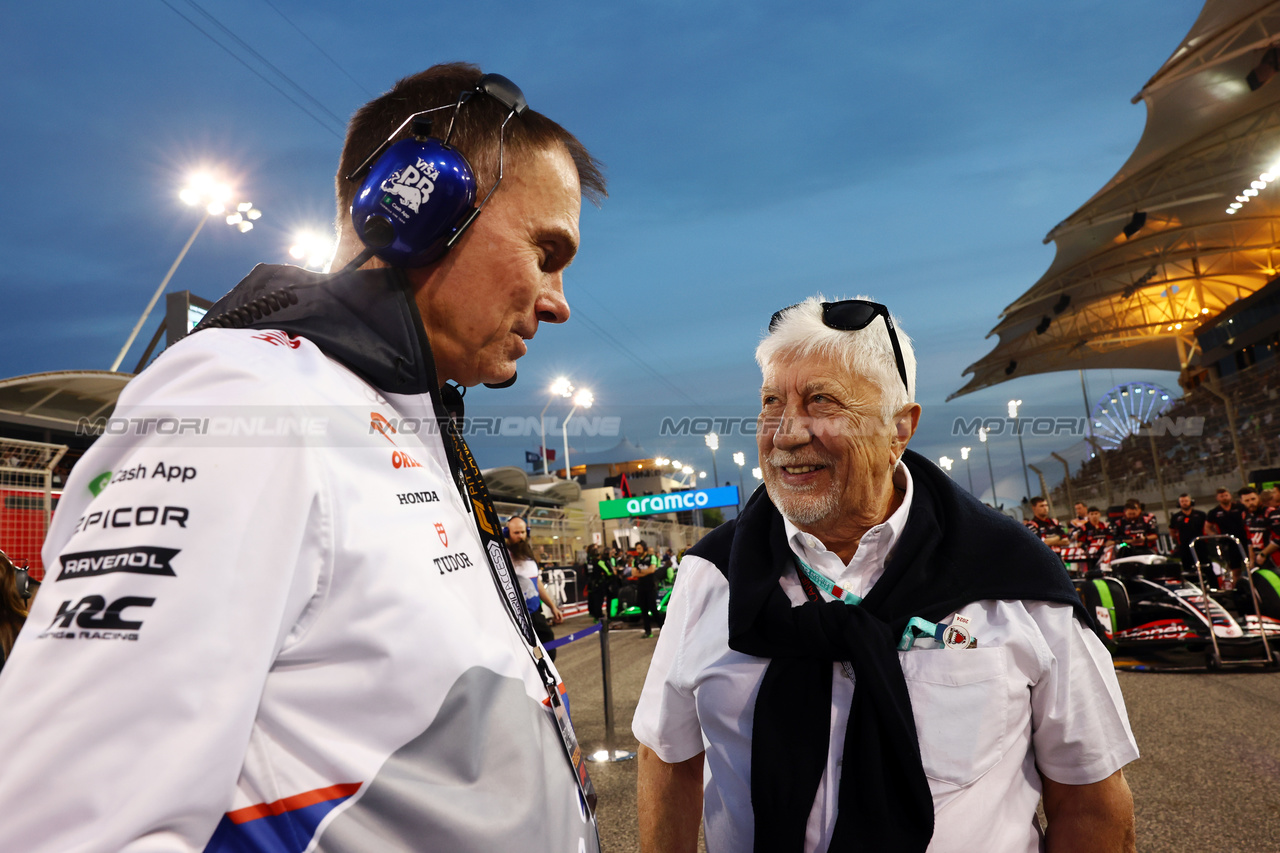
(1154, 253)
(59, 399)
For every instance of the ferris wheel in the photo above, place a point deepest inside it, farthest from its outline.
(1125, 408)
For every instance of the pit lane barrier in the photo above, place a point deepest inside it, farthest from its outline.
(610, 754)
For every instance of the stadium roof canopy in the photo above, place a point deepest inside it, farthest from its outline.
(1154, 253)
(58, 400)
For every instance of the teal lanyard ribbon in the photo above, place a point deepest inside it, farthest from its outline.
(916, 627)
(825, 584)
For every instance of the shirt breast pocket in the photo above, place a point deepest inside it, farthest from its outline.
(960, 702)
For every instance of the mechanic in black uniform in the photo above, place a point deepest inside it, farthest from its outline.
(1272, 540)
(1255, 521)
(645, 574)
(1227, 518)
(602, 578)
(1186, 524)
(1133, 528)
(1081, 519)
(1091, 536)
(1048, 529)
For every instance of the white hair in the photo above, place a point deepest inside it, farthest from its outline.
(867, 352)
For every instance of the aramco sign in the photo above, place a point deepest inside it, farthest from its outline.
(674, 502)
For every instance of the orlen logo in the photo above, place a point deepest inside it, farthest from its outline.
(382, 425)
(279, 339)
(400, 459)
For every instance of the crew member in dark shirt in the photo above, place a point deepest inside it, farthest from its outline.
(1256, 523)
(1091, 536)
(1133, 528)
(1081, 519)
(1186, 524)
(645, 575)
(1271, 550)
(1048, 529)
(602, 578)
(1227, 518)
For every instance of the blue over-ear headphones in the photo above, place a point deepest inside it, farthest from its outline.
(418, 196)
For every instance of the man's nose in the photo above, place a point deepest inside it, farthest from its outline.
(552, 307)
(792, 430)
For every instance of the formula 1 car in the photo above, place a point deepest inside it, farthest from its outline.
(1155, 615)
(622, 604)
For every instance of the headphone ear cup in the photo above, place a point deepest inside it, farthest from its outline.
(415, 197)
(506, 533)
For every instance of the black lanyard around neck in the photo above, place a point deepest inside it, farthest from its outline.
(475, 495)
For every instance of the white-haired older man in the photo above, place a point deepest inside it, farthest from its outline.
(980, 685)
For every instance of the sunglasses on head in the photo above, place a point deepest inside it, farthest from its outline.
(853, 315)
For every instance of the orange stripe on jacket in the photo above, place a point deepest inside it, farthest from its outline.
(290, 804)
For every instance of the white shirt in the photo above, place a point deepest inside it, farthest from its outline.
(1039, 691)
(527, 574)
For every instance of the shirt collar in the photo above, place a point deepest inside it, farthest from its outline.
(873, 552)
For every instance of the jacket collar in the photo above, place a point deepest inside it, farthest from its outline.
(367, 320)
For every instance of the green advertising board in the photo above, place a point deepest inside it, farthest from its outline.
(672, 502)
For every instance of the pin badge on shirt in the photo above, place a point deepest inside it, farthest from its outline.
(958, 635)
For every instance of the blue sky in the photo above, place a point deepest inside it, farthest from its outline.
(756, 152)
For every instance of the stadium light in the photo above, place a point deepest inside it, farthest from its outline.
(982, 436)
(740, 459)
(757, 473)
(945, 462)
(1013, 413)
(200, 189)
(713, 441)
(581, 400)
(560, 387)
(315, 251)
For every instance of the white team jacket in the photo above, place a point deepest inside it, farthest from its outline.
(273, 629)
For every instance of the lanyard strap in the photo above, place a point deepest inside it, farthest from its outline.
(475, 495)
(489, 526)
(811, 580)
(825, 584)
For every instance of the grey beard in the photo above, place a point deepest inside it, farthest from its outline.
(800, 507)
(804, 509)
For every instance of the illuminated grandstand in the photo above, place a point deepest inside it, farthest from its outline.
(1173, 265)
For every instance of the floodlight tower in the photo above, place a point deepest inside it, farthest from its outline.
(215, 196)
(561, 387)
(982, 436)
(582, 400)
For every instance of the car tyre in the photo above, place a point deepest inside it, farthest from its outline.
(1092, 591)
(1267, 583)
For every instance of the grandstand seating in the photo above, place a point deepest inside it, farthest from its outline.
(1197, 464)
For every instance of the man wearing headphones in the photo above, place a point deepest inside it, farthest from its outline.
(516, 534)
(306, 634)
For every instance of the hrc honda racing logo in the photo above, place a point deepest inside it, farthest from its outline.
(138, 560)
(96, 619)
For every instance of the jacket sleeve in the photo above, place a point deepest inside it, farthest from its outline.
(179, 564)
